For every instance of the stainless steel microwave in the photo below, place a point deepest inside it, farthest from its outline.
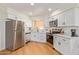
(53, 23)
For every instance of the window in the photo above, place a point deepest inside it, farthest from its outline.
(38, 24)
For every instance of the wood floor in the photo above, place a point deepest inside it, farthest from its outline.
(34, 48)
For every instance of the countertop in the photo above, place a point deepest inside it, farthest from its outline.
(28, 33)
(67, 36)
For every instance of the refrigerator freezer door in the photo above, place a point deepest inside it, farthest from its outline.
(19, 42)
(14, 34)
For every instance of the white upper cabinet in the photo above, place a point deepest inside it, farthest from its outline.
(61, 19)
(77, 16)
(12, 14)
(8, 13)
(2, 13)
(68, 17)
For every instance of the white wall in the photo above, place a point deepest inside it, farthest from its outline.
(2, 35)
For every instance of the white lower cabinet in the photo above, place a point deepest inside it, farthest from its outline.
(66, 45)
(27, 37)
(75, 46)
(42, 37)
(57, 43)
(34, 36)
(62, 44)
(39, 37)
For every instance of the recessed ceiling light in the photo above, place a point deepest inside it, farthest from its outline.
(31, 4)
(49, 9)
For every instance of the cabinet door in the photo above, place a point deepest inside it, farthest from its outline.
(65, 46)
(77, 16)
(11, 16)
(66, 18)
(56, 17)
(75, 46)
(33, 36)
(69, 17)
(27, 37)
(42, 37)
(19, 18)
(61, 19)
(57, 43)
(62, 44)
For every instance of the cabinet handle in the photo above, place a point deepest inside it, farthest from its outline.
(59, 43)
(55, 37)
(34, 35)
(64, 40)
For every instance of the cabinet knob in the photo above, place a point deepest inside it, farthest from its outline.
(55, 37)
(64, 40)
(34, 35)
(59, 43)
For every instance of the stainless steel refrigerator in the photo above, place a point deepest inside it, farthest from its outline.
(14, 34)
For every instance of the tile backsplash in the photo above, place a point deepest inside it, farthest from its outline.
(67, 30)
(77, 32)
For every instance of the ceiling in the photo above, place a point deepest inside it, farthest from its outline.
(38, 9)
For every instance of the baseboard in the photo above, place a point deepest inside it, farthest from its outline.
(38, 41)
(27, 42)
(58, 51)
(2, 49)
(5, 52)
(53, 48)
